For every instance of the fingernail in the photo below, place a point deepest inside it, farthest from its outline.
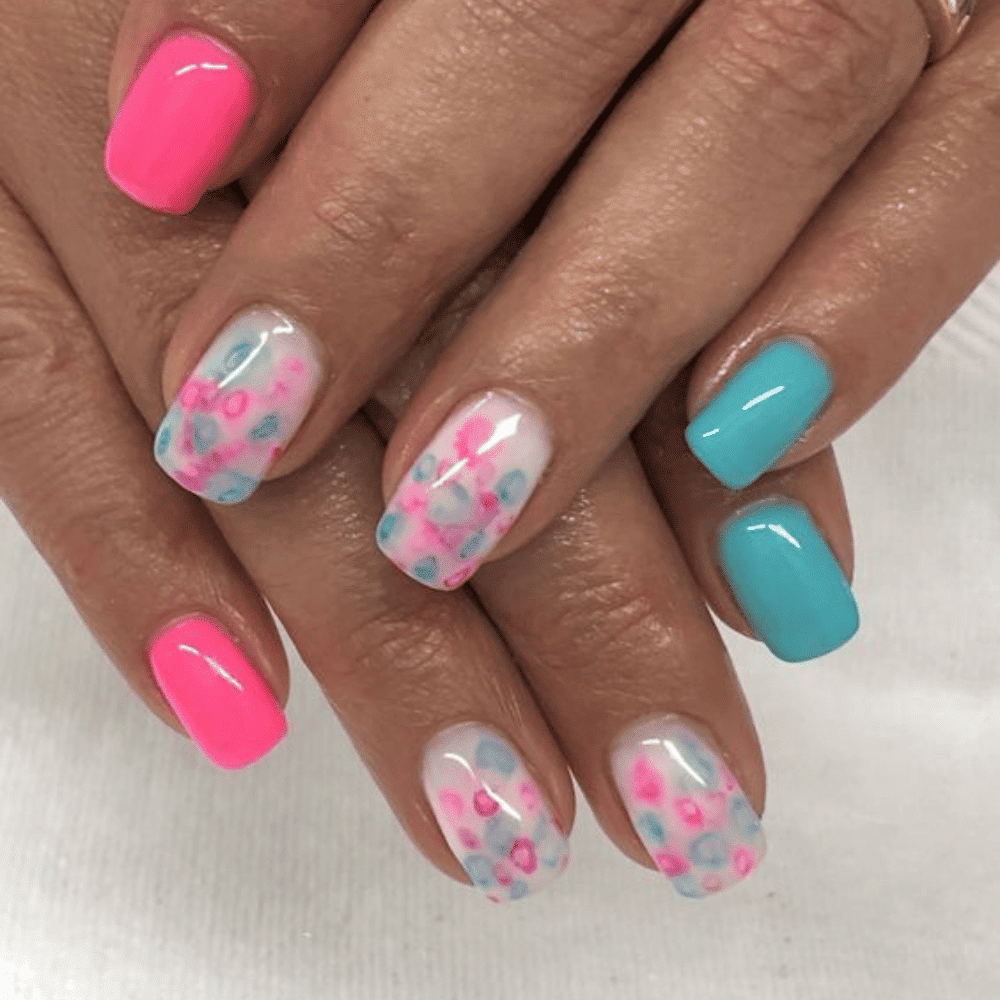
(760, 413)
(787, 582)
(178, 122)
(223, 703)
(687, 808)
(466, 490)
(240, 407)
(492, 814)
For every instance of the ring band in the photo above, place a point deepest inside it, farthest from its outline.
(946, 20)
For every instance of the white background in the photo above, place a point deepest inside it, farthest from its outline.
(130, 869)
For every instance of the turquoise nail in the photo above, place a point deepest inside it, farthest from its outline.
(760, 413)
(787, 582)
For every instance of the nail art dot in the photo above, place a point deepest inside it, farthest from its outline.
(500, 834)
(479, 869)
(523, 855)
(688, 886)
(672, 864)
(650, 827)
(162, 441)
(472, 546)
(268, 427)
(519, 890)
(388, 524)
(231, 487)
(743, 818)
(424, 469)
(236, 357)
(485, 804)
(205, 432)
(426, 569)
(710, 850)
(490, 753)
(449, 503)
(512, 488)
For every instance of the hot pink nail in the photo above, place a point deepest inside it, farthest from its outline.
(219, 697)
(178, 123)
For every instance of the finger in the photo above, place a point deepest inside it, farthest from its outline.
(897, 248)
(775, 559)
(750, 116)
(147, 571)
(421, 681)
(407, 675)
(441, 126)
(199, 92)
(620, 651)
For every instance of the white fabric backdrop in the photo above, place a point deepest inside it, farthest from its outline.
(130, 869)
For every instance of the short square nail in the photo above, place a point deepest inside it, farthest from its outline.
(787, 582)
(240, 407)
(466, 490)
(760, 413)
(179, 122)
(223, 703)
(687, 808)
(492, 814)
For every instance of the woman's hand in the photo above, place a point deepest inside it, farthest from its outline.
(629, 681)
(781, 172)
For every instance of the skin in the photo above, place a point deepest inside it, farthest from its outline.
(778, 168)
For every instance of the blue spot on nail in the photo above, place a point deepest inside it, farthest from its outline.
(519, 890)
(492, 754)
(268, 427)
(472, 546)
(651, 829)
(512, 488)
(426, 569)
(237, 356)
(449, 503)
(710, 850)
(499, 834)
(387, 526)
(424, 469)
(700, 773)
(205, 432)
(162, 441)
(687, 885)
(744, 820)
(479, 870)
(231, 487)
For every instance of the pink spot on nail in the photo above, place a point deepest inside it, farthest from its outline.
(490, 502)
(474, 433)
(711, 883)
(503, 874)
(671, 863)
(457, 579)
(690, 812)
(715, 808)
(523, 855)
(451, 803)
(530, 797)
(647, 782)
(234, 405)
(743, 862)
(190, 394)
(484, 803)
(469, 840)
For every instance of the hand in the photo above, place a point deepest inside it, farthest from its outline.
(784, 174)
(178, 601)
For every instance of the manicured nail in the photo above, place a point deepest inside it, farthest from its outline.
(687, 808)
(760, 413)
(787, 582)
(492, 814)
(240, 407)
(178, 122)
(219, 697)
(465, 490)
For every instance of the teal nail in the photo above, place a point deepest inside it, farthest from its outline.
(760, 413)
(787, 582)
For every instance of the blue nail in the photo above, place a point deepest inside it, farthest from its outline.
(787, 582)
(760, 413)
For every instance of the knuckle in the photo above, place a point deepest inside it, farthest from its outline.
(816, 69)
(569, 41)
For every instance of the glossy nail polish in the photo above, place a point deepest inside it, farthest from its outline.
(787, 582)
(466, 490)
(685, 805)
(240, 407)
(179, 122)
(223, 703)
(492, 813)
(760, 413)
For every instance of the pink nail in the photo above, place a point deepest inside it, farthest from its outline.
(178, 123)
(219, 697)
